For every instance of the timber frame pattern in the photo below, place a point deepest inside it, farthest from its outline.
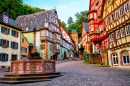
(117, 24)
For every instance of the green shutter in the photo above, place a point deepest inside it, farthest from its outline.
(25, 50)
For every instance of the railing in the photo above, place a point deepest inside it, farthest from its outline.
(32, 66)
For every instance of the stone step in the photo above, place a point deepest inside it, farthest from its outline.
(31, 74)
(29, 77)
(23, 81)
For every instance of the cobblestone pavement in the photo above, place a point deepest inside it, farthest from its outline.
(78, 73)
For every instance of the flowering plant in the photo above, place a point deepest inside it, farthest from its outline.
(34, 56)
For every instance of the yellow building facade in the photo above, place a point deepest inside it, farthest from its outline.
(24, 47)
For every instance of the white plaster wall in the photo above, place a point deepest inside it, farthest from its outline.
(9, 50)
(119, 60)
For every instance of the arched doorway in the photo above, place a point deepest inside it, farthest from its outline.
(91, 48)
(65, 55)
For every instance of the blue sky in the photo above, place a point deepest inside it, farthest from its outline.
(65, 8)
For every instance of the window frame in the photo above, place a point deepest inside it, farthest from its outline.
(120, 11)
(116, 34)
(128, 29)
(127, 9)
(42, 46)
(116, 17)
(115, 59)
(123, 32)
(4, 57)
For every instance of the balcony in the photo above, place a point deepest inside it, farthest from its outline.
(98, 36)
(56, 41)
(56, 51)
(46, 38)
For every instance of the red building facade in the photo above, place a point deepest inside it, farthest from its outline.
(97, 31)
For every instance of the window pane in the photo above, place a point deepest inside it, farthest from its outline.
(3, 57)
(124, 59)
(127, 59)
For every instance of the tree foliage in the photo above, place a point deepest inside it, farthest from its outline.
(70, 21)
(80, 18)
(15, 8)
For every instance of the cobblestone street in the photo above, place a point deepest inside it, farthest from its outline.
(78, 73)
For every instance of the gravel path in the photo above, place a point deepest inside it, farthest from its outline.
(77, 73)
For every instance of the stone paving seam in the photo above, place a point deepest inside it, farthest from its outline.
(56, 83)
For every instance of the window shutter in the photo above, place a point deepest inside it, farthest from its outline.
(11, 44)
(8, 31)
(7, 43)
(25, 50)
(1, 42)
(6, 57)
(17, 34)
(17, 46)
(0, 56)
(2, 29)
(12, 33)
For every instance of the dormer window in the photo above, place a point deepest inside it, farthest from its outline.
(24, 18)
(46, 24)
(26, 28)
(21, 23)
(45, 19)
(34, 15)
(47, 13)
(22, 28)
(31, 21)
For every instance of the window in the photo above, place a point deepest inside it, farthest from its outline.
(112, 17)
(108, 3)
(14, 45)
(53, 46)
(50, 47)
(92, 30)
(91, 16)
(31, 21)
(5, 30)
(46, 24)
(24, 50)
(4, 43)
(127, 29)
(112, 37)
(45, 19)
(107, 20)
(125, 57)
(22, 40)
(43, 33)
(117, 14)
(47, 33)
(42, 47)
(126, 7)
(95, 15)
(114, 59)
(117, 34)
(26, 28)
(96, 29)
(121, 11)
(122, 32)
(15, 33)
(3, 57)
(97, 48)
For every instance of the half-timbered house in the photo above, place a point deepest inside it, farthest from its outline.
(116, 15)
(97, 32)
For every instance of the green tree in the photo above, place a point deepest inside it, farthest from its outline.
(80, 18)
(15, 8)
(63, 24)
(71, 27)
(70, 21)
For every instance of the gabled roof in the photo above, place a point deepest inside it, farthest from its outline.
(73, 31)
(11, 22)
(35, 20)
(86, 27)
